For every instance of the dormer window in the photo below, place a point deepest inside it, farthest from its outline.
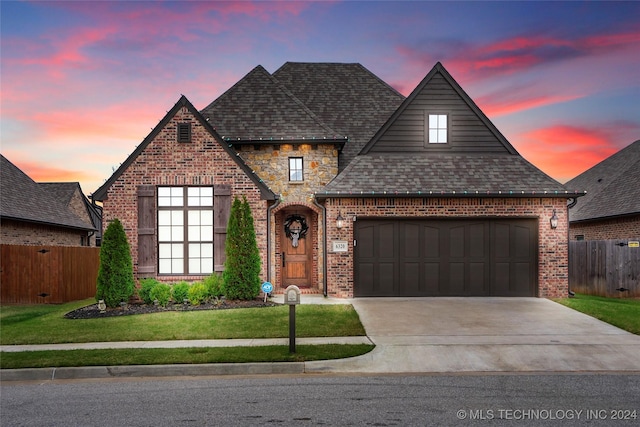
(184, 132)
(438, 129)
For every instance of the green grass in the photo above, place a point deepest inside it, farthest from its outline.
(623, 313)
(45, 324)
(158, 356)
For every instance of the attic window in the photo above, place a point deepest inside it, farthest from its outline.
(438, 127)
(184, 132)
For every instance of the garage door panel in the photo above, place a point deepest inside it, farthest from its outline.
(410, 278)
(456, 280)
(443, 257)
(386, 278)
(431, 238)
(477, 280)
(431, 278)
(456, 242)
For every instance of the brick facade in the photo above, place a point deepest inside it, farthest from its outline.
(23, 233)
(609, 229)
(553, 245)
(166, 162)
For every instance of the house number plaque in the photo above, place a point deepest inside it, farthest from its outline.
(340, 246)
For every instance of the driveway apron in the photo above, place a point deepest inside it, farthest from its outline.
(484, 335)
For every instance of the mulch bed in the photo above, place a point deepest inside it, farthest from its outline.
(92, 311)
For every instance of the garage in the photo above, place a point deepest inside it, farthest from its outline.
(446, 257)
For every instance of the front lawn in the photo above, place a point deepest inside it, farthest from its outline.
(623, 313)
(45, 324)
(160, 356)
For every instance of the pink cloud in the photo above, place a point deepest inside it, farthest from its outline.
(42, 172)
(494, 106)
(564, 151)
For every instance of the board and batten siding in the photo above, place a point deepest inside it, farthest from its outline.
(467, 132)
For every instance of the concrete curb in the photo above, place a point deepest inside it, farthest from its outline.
(140, 371)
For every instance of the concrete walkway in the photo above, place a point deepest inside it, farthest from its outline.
(413, 335)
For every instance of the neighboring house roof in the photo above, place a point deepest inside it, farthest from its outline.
(101, 193)
(23, 199)
(477, 160)
(612, 186)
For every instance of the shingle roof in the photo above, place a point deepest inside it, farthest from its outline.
(459, 175)
(613, 187)
(328, 101)
(23, 199)
(259, 107)
(347, 97)
(467, 172)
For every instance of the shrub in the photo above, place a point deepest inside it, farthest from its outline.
(180, 292)
(198, 293)
(242, 266)
(115, 275)
(215, 285)
(162, 293)
(144, 292)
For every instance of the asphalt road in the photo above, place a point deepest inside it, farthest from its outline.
(388, 400)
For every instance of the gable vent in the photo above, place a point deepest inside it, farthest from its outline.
(184, 132)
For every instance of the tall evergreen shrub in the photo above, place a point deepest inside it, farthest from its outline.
(115, 275)
(242, 267)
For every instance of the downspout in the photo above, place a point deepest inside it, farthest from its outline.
(269, 209)
(324, 245)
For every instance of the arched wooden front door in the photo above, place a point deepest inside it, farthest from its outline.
(296, 248)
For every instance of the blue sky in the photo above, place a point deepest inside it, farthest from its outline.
(83, 83)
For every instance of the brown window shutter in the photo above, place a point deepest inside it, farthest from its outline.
(221, 211)
(147, 229)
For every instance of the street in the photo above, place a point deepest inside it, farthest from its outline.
(381, 400)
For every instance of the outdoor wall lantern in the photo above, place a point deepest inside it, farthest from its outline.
(554, 220)
(339, 221)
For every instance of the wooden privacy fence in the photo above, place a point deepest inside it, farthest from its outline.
(603, 267)
(47, 274)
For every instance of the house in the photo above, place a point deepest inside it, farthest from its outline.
(55, 214)
(611, 207)
(355, 190)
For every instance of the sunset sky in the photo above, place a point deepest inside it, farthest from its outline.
(83, 83)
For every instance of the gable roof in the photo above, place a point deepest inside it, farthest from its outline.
(613, 187)
(458, 170)
(265, 191)
(259, 108)
(23, 199)
(437, 96)
(346, 96)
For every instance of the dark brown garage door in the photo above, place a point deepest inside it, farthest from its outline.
(484, 257)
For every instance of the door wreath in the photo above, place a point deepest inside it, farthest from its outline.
(295, 227)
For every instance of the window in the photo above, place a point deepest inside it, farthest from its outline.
(185, 230)
(184, 132)
(295, 169)
(438, 129)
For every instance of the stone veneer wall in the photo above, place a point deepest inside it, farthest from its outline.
(271, 163)
(553, 279)
(166, 162)
(617, 228)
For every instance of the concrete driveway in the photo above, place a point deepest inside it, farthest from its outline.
(484, 335)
